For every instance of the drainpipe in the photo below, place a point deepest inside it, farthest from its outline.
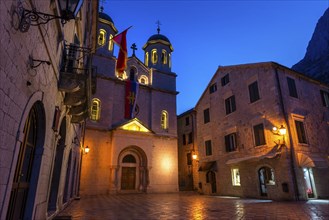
(292, 150)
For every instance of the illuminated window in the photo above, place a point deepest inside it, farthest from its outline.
(146, 58)
(143, 80)
(95, 110)
(102, 37)
(154, 56)
(235, 177)
(110, 42)
(164, 119)
(164, 57)
(169, 56)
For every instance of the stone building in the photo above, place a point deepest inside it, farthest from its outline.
(45, 86)
(263, 132)
(187, 165)
(137, 153)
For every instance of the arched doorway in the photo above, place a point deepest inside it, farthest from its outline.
(133, 169)
(28, 165)
(55, 180)
(266, 177)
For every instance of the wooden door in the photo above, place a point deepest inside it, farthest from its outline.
(128, 178)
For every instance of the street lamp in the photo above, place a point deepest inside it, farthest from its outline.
(24, 18)
(86, 150)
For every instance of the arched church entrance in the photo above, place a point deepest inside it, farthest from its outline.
(28, 165)
(133, 170)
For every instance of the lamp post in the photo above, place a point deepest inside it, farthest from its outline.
(282, 131)
(24, 18)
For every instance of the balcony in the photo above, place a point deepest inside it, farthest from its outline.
(78, 81)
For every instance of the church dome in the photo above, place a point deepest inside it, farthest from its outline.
(156, 37)
(105, 17)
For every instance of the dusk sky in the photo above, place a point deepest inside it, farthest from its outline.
(206, 34)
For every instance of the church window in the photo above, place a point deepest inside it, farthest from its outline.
(129, 159)
(164, 57)
(132, 74)
(110, 42)
(95, 110)
(169, 59)
(154, 56)
(164, 119)
(146, 59)
(143, 80)
(102, 37)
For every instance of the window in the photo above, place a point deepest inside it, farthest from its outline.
(300, 132)
(184, 139)
(189, 158)
(146, 59)
(235, 177)
(164, 58)
(132, 74)
(325, 98)
(95, 110)
(190, 138)
(213, 88)
(206, 116)
(129, 159)
(164, 120)
(292, 87)
(259, 135)
(230, 104)
(102, 37)
(154, 56)
(225, 79)
(266, 174)
(143, 80)
(110, 42)
(230, 142)
(208, 147)
(169, 56)
(253, 92)
(187, 121)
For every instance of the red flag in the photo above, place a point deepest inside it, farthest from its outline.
(121, 40)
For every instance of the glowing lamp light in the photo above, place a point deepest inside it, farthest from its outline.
(87, 149)
(282, 130)
(194, 156)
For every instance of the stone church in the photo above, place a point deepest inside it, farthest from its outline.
(137, 153)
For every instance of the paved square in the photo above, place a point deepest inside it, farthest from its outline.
(191, 206)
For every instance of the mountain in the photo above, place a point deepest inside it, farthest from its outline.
(316, 60)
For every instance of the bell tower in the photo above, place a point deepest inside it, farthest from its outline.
(158, 51)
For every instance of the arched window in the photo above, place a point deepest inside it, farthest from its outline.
(132, 74)
(143, 80)
(266, 174)
(146, 61)
(95, 109)
(169, 57)
(154, 56)
(164, 57)
(129, 159)
(102, 37)
(110, 42)
(164, 120)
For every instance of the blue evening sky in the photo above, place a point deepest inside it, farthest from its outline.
(206, 34)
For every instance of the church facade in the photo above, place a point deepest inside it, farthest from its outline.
(134, 152)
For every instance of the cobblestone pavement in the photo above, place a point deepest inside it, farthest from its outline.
(191, 206)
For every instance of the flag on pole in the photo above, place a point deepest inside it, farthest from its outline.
(130, 98)
(121, 41)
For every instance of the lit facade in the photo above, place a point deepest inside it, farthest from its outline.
(40, 125)
(239, 152)
(137, 154)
